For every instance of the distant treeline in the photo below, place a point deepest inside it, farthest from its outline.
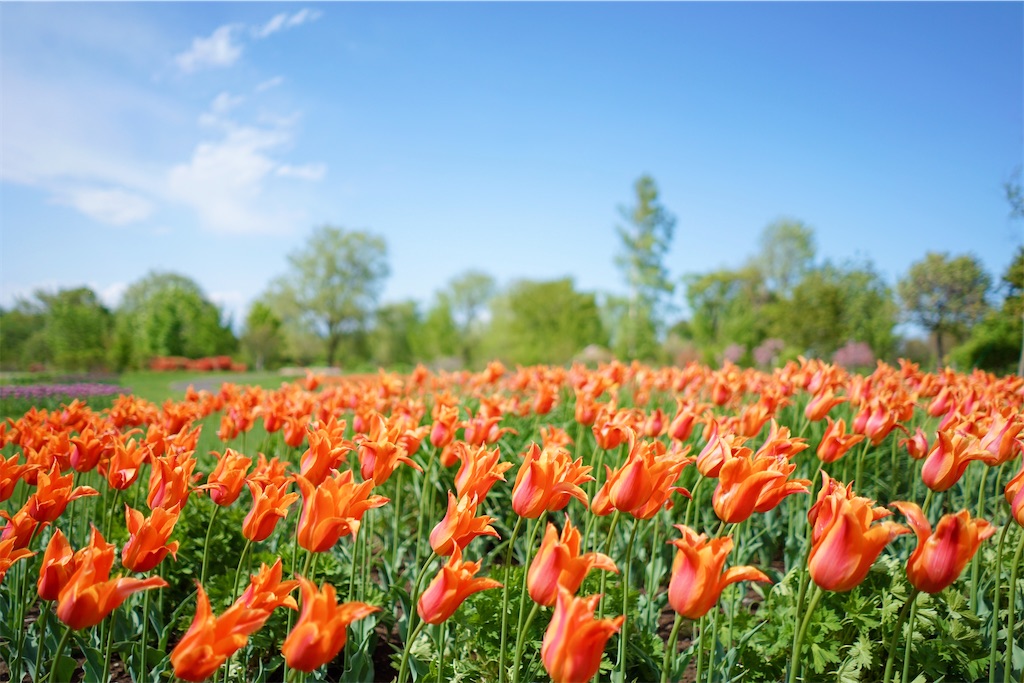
(783, 302)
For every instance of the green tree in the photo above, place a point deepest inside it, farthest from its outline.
(167, 314)
(22, 340)
(262, 339)
(332, 287)
(543, 322)
(77, 328)
(396, 328)
(728, 307)
(468, 295)
(646, 234)
(995, 343)
(945, 296)
(439, 335)
(786, 254)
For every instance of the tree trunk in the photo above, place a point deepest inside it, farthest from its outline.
(332, 348)
(938, 348)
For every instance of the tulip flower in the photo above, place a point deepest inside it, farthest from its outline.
(333, 509)
(270, 503)
(546, 480)
(380, 452)
(1000, 441)
(9, 555)
(122, 468)
(835, 442)
(939, 558)
(21, 527)
(916, 445)
(227, 478)
(11, 473)
(450, 587)
(697, 578)
(718, 449)
(612, 427)
(266, 591)
(681, 426)
(459, 526)
(147, 545)
(321, 630)
(574, 641)
(822, 402)
(479, 471)
(87, 449)
(1014, 493)
(90, 594)
(845, 543)
(446, 421)
(949, 458)
(558, 563)
(324, 454)
(649, 469)
(753, 484)
(59, 563)
(53, 493)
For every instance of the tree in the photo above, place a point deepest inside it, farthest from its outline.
(439, 336)
(396, 330)
(262, 338)
(468, 295)
(22, 340)
(333, 285)
(995, 343)
(646, 237)
(728, 307)
(945, 295)
(544, 322)
(786, 254)
(167, 314)
(77, 328)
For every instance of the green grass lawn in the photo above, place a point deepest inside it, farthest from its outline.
(160, 386)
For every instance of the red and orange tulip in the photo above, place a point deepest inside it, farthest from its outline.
(9, 555)
(455, 582)
(574, 641)
(459, 526)
(59, 563)
(835, 442)
(480, 470)
(333, 509)
(227, 478)
(753, 484)
(1014, 493)
(546, 480)
(940, 557)
(147, 545)
(558, 563)
(53, 493)
(270, 503)
(321, 630)
(952, 453)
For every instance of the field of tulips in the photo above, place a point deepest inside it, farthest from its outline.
(624, 523)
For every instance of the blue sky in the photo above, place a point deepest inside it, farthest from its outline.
(210, 139)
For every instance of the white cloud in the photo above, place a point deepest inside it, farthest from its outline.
(225, 102)
(303, 171)
(220, 49)
(111, 294)
(113, 206)
(283, 21)
(269, 83)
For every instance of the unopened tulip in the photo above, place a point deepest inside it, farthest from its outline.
(450, 587)
(574, 641)
(459, 526)
(558, 563)
(147, 545)
(940, 557)
(321, 630)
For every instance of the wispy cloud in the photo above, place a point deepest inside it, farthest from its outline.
(302, 172)
(269, 83)
(220, 49)
(113, 206)
(280, 22)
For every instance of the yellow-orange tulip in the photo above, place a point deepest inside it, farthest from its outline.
(574, 641)
(333, 509)
(558, 563)
(940, 557)
(147, 545)
(546, 480)
(450, 587)
(479, 471)
(459, 526)
(321, 630)
(753, 484)
(53, 493)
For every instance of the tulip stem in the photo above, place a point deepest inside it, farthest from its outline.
(927, 500)
(995, 607)
(520, 639)
(404, 668)
(860, 463)
(1010, 611)
(896, 635)
(535, 527)
(625, 597)
(110, 645)
(57, 655)
(206, 544)
(670, 649)
(976, 560)
(410, 618)
(145, 634)
(44, 612)
(441, 642)
(700, 646)
(607, 547)
(802, 633)
(910, 635)
(504, 599)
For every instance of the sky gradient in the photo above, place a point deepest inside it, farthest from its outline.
(210, 139)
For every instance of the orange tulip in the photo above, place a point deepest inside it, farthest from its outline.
(697, 577)
(90, 594)
(147, 546)
(53, 493)
(1014, 493)
(59, 564)
(631, 486)
(940, 557)
(87, 449)
(718, 449)
(835, 442)
(574, 641)
(321, 630)
(11, 473)
(612, 427)
(450, 587)
(682, 424)
(324, 454)
(1001, 438)
(558, 563)
(21, 527)
(446, 421)
(479, 471)
(227, 478)
(122, 469)
(949, 458)
(822, 402)
(916, 445)
(753, 484)
(266, 591)
(170, 481)
(844, 542)
(459, 526)
(333, 509)
(546, 481)
(270, 503)
(9, 555)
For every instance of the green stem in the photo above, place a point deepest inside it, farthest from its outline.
(145, 634)
(206, 544)
(1010, 611)
(504, 599)
(795, 659)
(625, 597)
(995, 607)
(57, 655)
(910, 636)
(110, 646)
(907, 606)
(927, 501)
(397, 517)
(604, 575)
(238, 570)
(652, 579)
(534, 528)
(670, 649)
(44, 613)
(442, 640)
(520, 639)
(860, 464)
(427, 507)
(404, 668)
(700, 646)
(412, 618)
(976, 560)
